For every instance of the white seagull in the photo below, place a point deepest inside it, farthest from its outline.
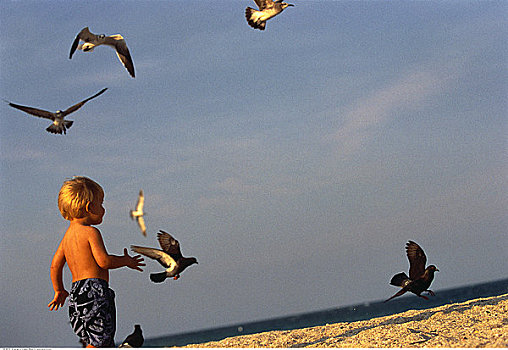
(59, 124)
(267, 10)
(92, 40)
(138, 213)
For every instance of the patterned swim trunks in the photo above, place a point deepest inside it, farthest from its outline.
(92, 312)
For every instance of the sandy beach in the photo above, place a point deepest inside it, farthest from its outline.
(475, 323)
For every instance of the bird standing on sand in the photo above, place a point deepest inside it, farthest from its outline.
(170, 257)
(267, 9)
(59, 124)
(135, 339)
(419, 279)
(115, 41)
(138, 213)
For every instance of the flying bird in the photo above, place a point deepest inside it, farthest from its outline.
(135, 339)
(138, 213)
(267, 9)
(59, 123)
(115, 41)
(419, 279)
(170, 257)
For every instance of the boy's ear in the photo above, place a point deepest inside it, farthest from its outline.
(87, 207)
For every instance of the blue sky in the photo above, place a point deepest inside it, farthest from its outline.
(293, 163)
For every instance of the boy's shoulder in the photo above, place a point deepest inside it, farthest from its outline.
(77, 231)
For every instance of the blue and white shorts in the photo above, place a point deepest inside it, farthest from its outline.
(92, 312)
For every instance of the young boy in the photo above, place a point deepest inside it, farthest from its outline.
(92, 303)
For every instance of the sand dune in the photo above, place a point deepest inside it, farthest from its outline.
(474, 323)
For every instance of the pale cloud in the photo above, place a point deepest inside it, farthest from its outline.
(366, 116)
(413, 90)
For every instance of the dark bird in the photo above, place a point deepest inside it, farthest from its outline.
(419, 279)
(170, 257)
(135, 339)
(267, 9)
(59, 124)
(138, 213)
(115, 41)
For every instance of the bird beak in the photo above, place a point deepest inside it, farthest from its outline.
(291, 5)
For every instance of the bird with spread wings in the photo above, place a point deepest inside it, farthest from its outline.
(267, 9)
(59, 123)
(115, 41)
(420, 278)
(138, 213)
(170, 257)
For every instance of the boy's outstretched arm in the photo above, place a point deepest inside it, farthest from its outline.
(107, 261)
(56, 272)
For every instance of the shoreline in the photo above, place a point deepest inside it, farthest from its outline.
(481, 322)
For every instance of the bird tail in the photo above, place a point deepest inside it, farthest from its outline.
(252, 19)
(399, 293)
(58, 129)
(399, 279)
(132, 216)
(158, 277)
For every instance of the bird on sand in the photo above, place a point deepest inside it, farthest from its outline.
(138, 213)
(267, 9)
(115, 41)
(419, 279)
(59, 123)
(170, 257)
(135, 339)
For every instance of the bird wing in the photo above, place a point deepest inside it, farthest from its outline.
(141, 201)
(34, 111)
(417, 260)
(141, 224)
(162, 257)
(122, 51)
(80, 104)
(169, 245)
(84, 35)
(263, 4)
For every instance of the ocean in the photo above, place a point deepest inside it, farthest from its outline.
(343, 314)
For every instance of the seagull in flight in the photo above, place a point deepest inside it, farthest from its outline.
(170, 257)
(59, 123)
(267, 9)
(419, 279)
(138, 213)
(115, 41)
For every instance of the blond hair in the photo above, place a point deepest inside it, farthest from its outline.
(75, 194)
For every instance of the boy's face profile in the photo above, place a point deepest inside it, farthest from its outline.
(95, 210)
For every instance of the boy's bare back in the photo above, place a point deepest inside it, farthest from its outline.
(82, 248)
(78, 245)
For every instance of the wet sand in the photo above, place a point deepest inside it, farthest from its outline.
(475, 323)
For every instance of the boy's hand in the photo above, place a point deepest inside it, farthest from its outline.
(58, 300)
(133, 262)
